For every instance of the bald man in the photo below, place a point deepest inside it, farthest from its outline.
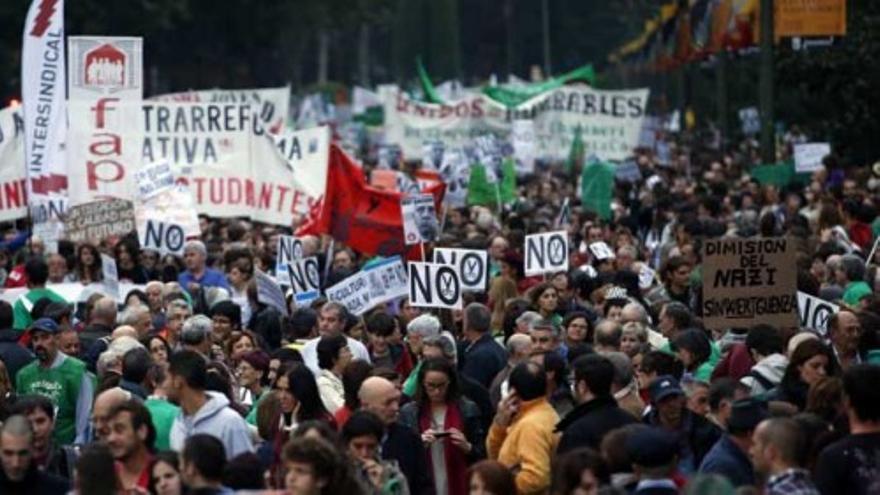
(382, 398)
(104, 404)
(124, 331)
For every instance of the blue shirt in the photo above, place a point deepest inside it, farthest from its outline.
(728, 460)
(210, 278)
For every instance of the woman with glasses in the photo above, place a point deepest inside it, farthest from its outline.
(449, 425)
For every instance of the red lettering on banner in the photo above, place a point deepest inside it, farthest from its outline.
(284, 190)
(234, 196)
(93, 177)
(215, 189)
(12, 194)
(113, 145)
(101, 109)
(200, 181)
(249, 194)
(265, 199)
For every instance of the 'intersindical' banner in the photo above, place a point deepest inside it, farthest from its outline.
(609, 121)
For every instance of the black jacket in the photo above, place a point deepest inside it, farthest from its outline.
(700, 434)
(403, 445)
(483, 359)
(34, 483)
(589, 422)
(478, 394)
(13, 355)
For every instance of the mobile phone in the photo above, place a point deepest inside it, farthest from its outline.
(441, 434)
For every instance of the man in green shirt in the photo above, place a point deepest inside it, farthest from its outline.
(61, 378)
(37, 272)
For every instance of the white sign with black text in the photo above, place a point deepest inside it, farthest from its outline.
(111, 275)
(472, 264)
(546, 253)
(432, 285)
(289, 250)
(814, 312)
(163, 237)
(304, 275)
(808, 156)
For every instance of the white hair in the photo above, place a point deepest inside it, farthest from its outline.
(118, 347)
(426, 325)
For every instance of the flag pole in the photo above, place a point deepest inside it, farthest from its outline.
(422, 247)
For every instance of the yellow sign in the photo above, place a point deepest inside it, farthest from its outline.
(809, 18)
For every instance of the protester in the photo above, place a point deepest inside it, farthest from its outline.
(20, 473)
(777, 451)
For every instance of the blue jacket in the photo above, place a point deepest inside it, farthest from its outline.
(211, 278)
(727, 459)
(484, 359)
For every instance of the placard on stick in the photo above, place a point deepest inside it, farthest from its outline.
(472, 264)
(546, 253)
(749, 281)
(432, 285)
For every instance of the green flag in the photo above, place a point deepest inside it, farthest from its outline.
(778, 174)
(512, 97)
(576, 153)
(431, 95)
(597, 186)
(481, 191)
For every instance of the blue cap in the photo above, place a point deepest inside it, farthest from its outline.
(45, 325)
(652, 447)
(663, 387)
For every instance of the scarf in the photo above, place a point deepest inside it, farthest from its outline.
(456, 460)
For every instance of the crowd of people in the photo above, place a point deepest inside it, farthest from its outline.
(595, 380)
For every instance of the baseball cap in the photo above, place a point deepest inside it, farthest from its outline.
(663, 387)
(44, 325)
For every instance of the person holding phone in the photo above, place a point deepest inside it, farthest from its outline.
(449, 426)
(522, 436)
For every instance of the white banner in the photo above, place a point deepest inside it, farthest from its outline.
(105, 82)
(13, 174)
(808, 156)
(111, 275)
(610, 121)
(272, 105)
(42, 90)
(522, 138)
(376, 284)
(362, 99)
(307, 154)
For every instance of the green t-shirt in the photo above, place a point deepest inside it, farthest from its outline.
(163, 414)
(61, 384)
(21, 311)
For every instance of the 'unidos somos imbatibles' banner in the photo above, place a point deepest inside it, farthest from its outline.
(610, 121)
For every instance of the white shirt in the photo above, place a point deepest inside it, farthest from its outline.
(309, 353)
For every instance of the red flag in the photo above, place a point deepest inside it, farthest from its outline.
(361, 216)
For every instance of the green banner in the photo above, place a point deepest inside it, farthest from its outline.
(597, 186)
(512, 97)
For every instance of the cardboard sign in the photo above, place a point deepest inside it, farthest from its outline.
(289, 250)
(432, 285)
(111, 275)
(813, 18)
(472, 264)
(376, 284)
(420, 222)
(154, 178)
(270, 293)
(749, 281)
(814, 312)
(304, 275)
(99, 220)
(546, 253)
(808, 156)
(166, 238)
(601, 251)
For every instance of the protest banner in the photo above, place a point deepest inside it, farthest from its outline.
(111, 275)
(105, 81)
(628, 171)
(814, 312)
(377, 283)
(750, 120)
(270, 293)
(362, 99)
(271, 105)
(304, 275)
(546, 253)
(164, 238)
(13, 173)
(612, 121)
(601, 251)
(306, 153)
(288, 250)
(91, 222)
(522, 138)
(153, 178)
(420, 222)
(432, 285)
(472, 265)
(455, 172)
(808, 156)
(809, 18)
(43, 98)
(432, 155)
(749, 281)
(174, 206)
(73, 292)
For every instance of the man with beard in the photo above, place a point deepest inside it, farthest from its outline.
(131, 441)
(61, 378)
(20, 473)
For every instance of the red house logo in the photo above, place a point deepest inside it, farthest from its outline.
(105, 66)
